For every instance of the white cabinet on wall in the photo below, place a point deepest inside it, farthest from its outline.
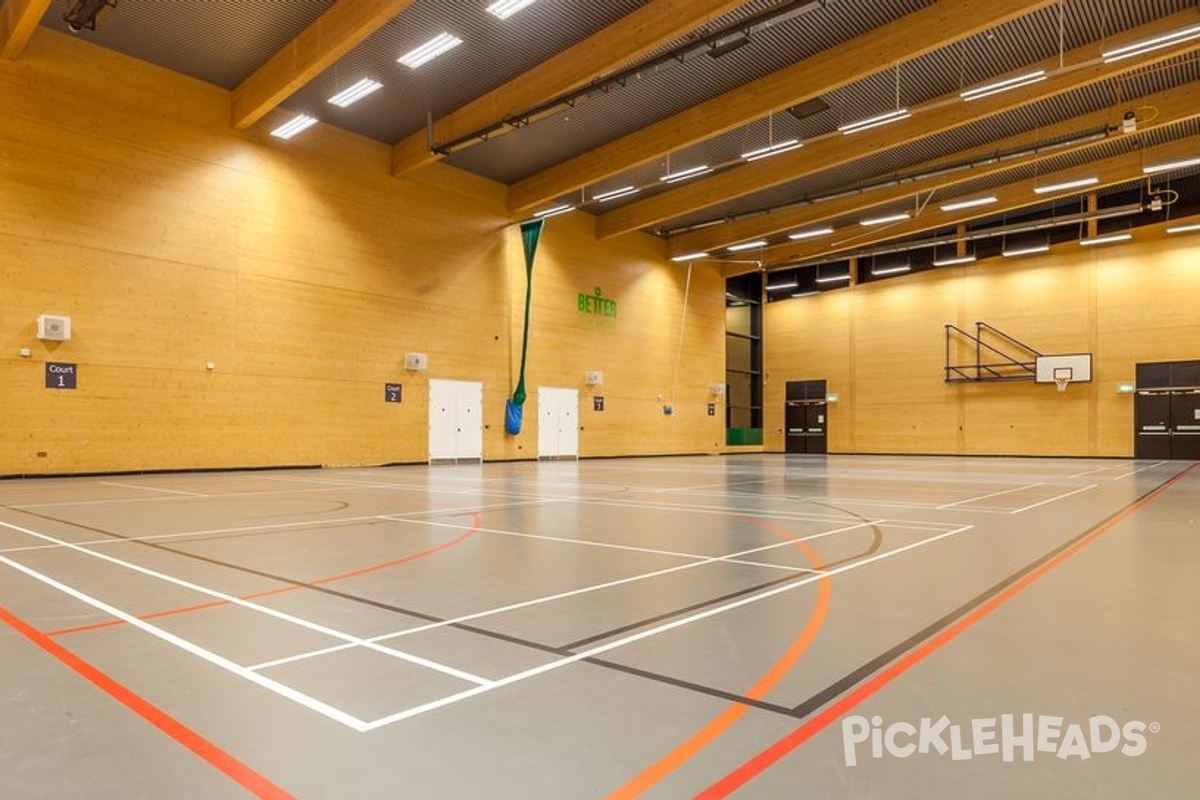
(558, 422)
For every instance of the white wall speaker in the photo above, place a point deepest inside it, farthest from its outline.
(416, 361)
(53, 328)
(593, 377)
(718, 389)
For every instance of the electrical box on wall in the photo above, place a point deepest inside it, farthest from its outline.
(593, 378)
(416, 361)
(718, 389)
(53, 328)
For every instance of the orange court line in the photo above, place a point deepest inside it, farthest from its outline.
(702, 738)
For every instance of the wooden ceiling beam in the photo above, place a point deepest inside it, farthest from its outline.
(1173, 106)
(1078, 68)
(652, 26)
(336, 32)
(1011, 198)
(911, 36)
(18, 20)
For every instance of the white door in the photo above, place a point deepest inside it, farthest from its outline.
(455, 420)
(558, 423)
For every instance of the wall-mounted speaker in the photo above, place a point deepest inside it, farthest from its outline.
(593, 377)
(53, 328)
(416, 361)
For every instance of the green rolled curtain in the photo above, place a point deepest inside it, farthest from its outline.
(514, 407)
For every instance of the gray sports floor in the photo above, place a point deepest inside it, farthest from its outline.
(763, 626)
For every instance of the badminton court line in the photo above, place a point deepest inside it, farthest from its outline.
(324, 709)
(986, 496)
(266, 610)
(151, 489)
(646, 634)
(704, 560)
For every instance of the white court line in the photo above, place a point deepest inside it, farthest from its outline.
(613, 645)
(1136, 471)
(280, 526)
(1089, 487)
(986, 496)
(151, 489)
(563, 595)
(64, 503)
(1091, 471)
(295, 696)
(268, 611)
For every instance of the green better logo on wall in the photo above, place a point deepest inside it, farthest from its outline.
(600, 311)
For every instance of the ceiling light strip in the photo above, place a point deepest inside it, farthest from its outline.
(356, 92)
(875, 122)
(691, 256)
(1154, 169)
(890, 270)
(684, 174)
(624, 191)
(773, 150)
(506, 8)
(1149, 45)
(1026, 251)
(810, 234)
(867, 223)
(737, 248)
(430, 50)
(301, 122)
(833, 279)
(554, 211)
(952, 262)
(961, 204)
(1113, 238)
(1066, 185)
(1003, 86)
(1184, 228)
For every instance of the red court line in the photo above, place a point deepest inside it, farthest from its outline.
(765, 759)
(476, 523)
(250, 780)
(714, 728)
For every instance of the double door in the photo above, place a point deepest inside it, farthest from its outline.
(1168, 424)
(1166, 412)
(806, 418)
(558, 422)
(455, 421)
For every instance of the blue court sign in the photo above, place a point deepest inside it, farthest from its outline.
(61, 376)
(392, 392)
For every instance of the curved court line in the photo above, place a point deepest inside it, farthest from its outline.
(758, 764)
(715, 727)
(250, 780)
(475, 526)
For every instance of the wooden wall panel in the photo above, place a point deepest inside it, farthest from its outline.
(1124, 304)
(305, 273)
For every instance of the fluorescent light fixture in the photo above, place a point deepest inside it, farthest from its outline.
(356, 92)
(810, 234)
(879, 272)
(430, 50)
(691, 256)
(961, 204)
(954, 261)
(875, 122)
(808, 293)
(1003, 86)
(1156, 168)
(734, 248)
(1027, 251)
(684, 174)
(1064, 186)
(1184, 228)
(1148, 45)
(299, 123)
(834, 278)
(554, 211)
(867, 223)
(604, 197)
(773, 149)
(1126, 388)
(778, 287)
(1109, 239)
(506, 8)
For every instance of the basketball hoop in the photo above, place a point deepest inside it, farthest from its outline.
(1063, 376)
